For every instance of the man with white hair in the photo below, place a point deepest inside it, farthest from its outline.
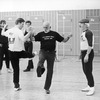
(47, 39)
(87, 55)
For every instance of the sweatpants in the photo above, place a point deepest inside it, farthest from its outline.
(15, 57)
(50, 58)
(88, 67)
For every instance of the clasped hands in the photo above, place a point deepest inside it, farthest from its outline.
(31, 30)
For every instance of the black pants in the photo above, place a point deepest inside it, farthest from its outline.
(50, 58)
(29, 48)
(88, 67)
(14, 57)
(4, 51)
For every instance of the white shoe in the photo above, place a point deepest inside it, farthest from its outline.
(86, 89)
(91, 91)
(35, 53)
(17, 89)
(47, 91)
(9, 70)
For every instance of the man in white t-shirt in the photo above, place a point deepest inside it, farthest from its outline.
(16, 41)
(87, 55)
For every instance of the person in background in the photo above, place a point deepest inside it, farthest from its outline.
(16, 41)
(29, 47)
(47, 39)
(87, 55)
(4, 47)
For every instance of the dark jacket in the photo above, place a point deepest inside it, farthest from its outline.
(3, 39)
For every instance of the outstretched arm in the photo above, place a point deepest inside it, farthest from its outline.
(67, 38)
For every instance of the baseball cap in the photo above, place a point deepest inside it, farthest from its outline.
(84, 21)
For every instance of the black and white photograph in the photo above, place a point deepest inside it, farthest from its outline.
(49, 49)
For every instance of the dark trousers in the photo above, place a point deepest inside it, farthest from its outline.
(29, 48)
(4, 51)
(14, 57)
(88, 67)
(50, 58)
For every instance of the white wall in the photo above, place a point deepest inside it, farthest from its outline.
(37, 5)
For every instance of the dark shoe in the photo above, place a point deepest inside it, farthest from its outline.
(42, 70)
(26, 70)
(38, 71)
(30, 64)
(47, 91)
(17, 89)
(16, 85)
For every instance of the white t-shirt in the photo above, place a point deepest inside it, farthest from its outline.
(15, 39)
(84, 43)
(87, 39)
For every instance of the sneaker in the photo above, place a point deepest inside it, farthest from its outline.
(9, 70)
(35, 53)
(91, 91)
(42, 70)
(47, 91)
(26, 70)
(17, 89)
(38, 71)
(86, 89)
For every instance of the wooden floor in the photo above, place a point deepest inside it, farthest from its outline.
(68, 80)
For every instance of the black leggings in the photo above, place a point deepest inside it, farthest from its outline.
(88, 67)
